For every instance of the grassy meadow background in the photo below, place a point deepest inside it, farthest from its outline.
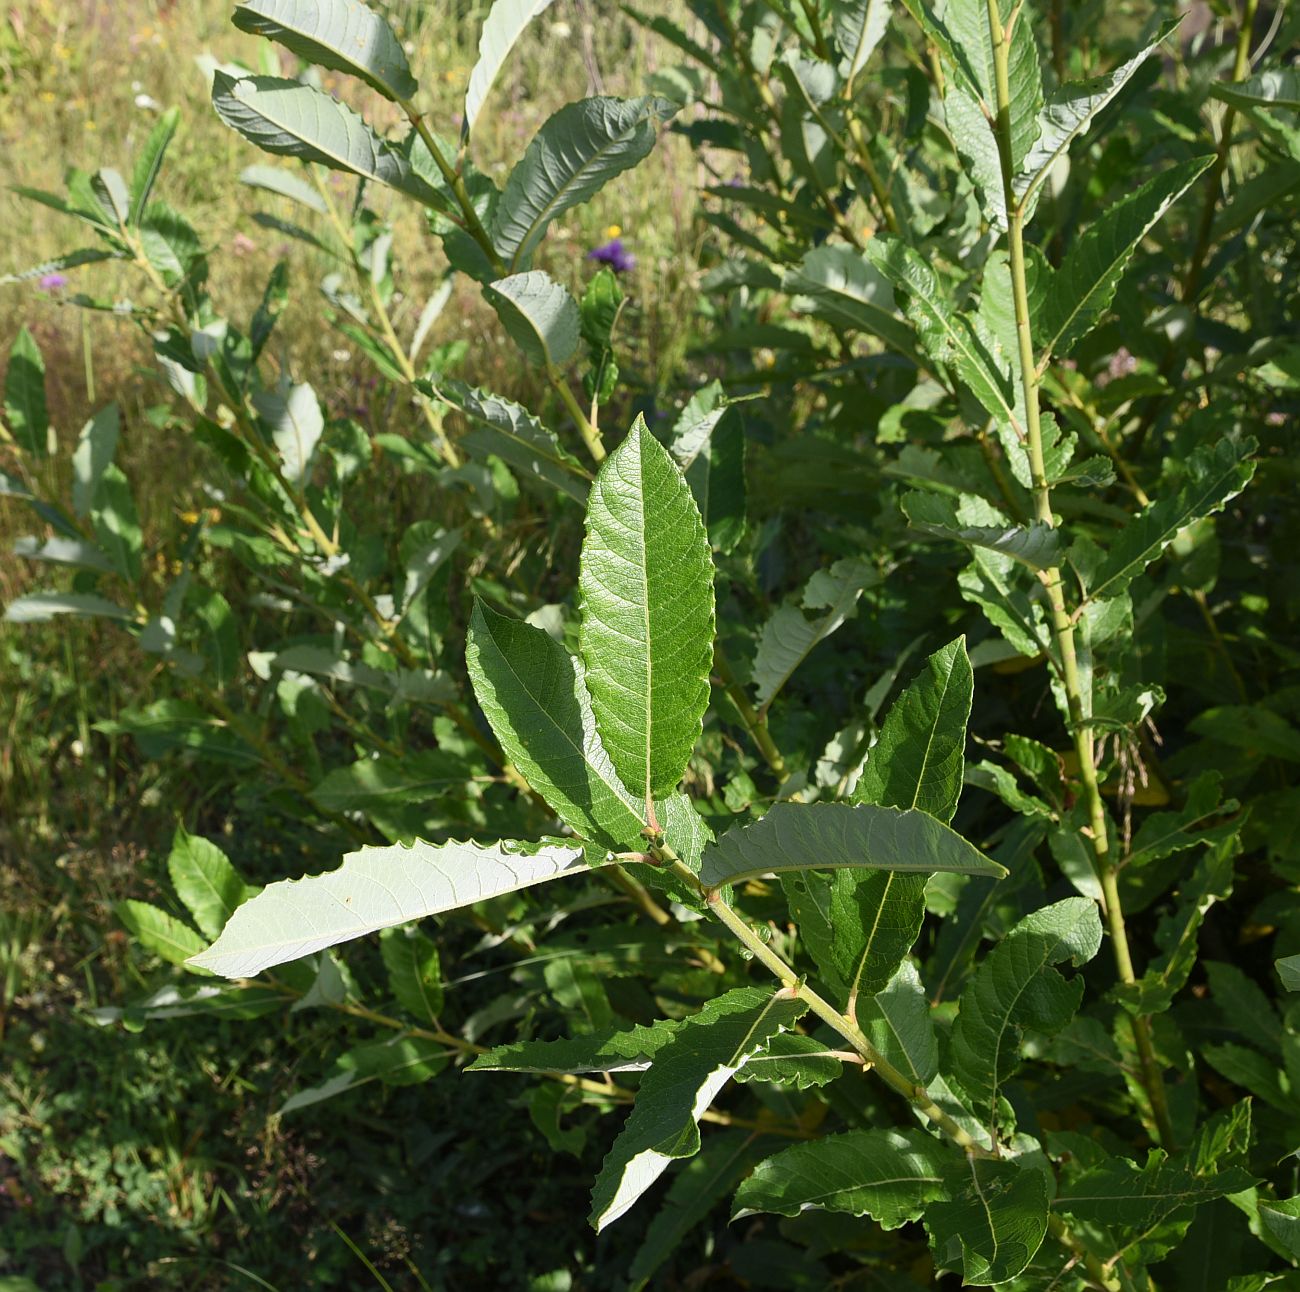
(154, 1159)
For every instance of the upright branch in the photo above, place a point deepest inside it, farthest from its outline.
(1053, 584)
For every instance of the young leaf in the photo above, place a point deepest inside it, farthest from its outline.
(376, 888)
(95, 449)
(414, 975)
(109, 189)
(541, 317)
(25, 408)
(1091, 271)
(343, 35)
(535, 695)
(502, 28)
(681, 1083)
(993, 1228)
(1070, 110)
(205, 881)
(1016, 987)
(827, 836)
(501, 427)
(789, 636)
(1215, 474)
(149, 162)
(575, 153)
(282, 116)
(646, 585)
(888, 1175)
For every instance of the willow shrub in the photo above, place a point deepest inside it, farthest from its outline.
(997, 337)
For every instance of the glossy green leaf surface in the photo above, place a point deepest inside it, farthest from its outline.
(646, 584)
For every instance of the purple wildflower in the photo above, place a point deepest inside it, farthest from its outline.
(52, 282)
(614, 254)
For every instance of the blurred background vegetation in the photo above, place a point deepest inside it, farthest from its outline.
(154, 1160)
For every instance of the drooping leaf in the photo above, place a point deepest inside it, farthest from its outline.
(1037, 545)
(993, 1228)
(889, 1175)
(25, 409)
(394, 1061)
(414, 974)
(501, 427)
(646, 585)
(95, 449)
(535, 695)
(629, 1049)
(1200, 820)
(295, 120)
(343, 35)
(541, 316)
(1216, 473)
(205, 881)
(789, 636)
(846, 288)
(376, 888)
(503, 26)
(575, 153)
(1276, 87)
(63, 551)
(375, 786)
(1016, 987)
(679, 1086)
(1085, 283)
(827, 836)
(1071, 109)
(709, 445)
(39, 607)
(163, 934)
(284, 183)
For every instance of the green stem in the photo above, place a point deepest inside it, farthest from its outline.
(754, 724)
(1062, 621)
(590, 436)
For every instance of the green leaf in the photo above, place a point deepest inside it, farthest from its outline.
(646, 585)
(897, 1022)
(501, 427)
(789, 636)
(149, 162)
(824, 836)
(343, 35)
(1168, 972)
(1277, 87)
(95, 449)
(977, 143)
(284, 183)
(1281, 1221)
(414, 973)
(376, 888)
(888, 1175)
(535, 695)
(1037, 546)
(628, 1049)
(502, 28)
(171, 243)
(847, 289)
(282, 116)
(388, 781)
(401, 684)
(63, 551)
(72, 260)
(723, 1161)
(159, 932)
(109, 190)
(25, 409)
(540, 316)
(1017, 988)
(682, 1082)
(205, 881)
(1070, 110)
(1288, 969)
(1164, 833)
(709, 445)
(116, 523)
(947, 335)
(601, 305)
(40, 607)
(575, 153)
(292, 414)
(994, 1228)
(860, 26)
(1085, 283)
(792, 1059)
(1215, 473)
(395, 1061)
(1003, 588)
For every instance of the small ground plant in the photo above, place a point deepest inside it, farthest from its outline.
(981, 447)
